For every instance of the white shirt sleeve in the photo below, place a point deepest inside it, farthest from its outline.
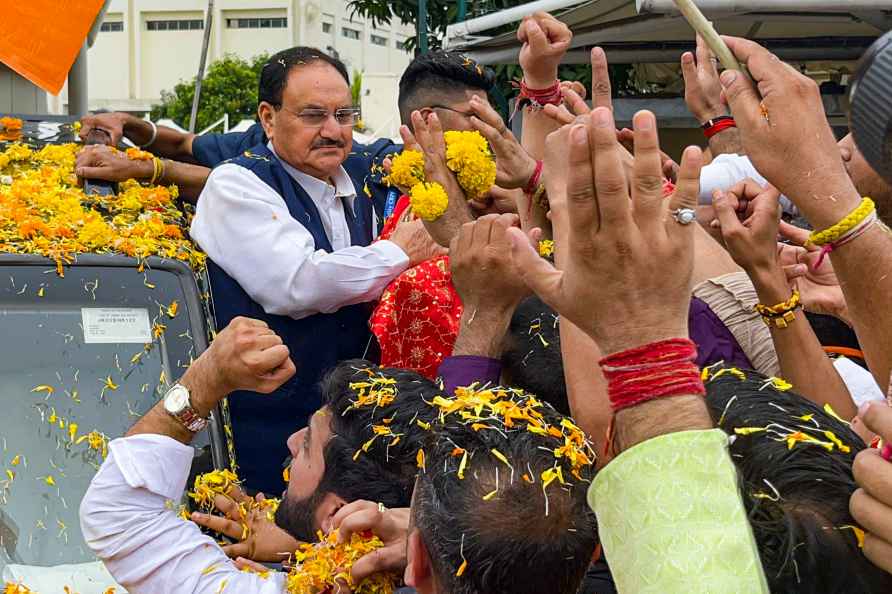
(725, 171)
(128, 521)
(246, 229)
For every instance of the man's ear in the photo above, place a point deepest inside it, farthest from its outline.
(266, 113)
(328, 507)
(419, 574)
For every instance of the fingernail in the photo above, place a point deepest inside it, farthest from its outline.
(645, 123)
(801, 269)
(717, 196)
(862, 410)
(601, 117)
(577, 135)
(196, 515)
(728, 77)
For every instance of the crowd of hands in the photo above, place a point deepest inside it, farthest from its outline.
(623, 270)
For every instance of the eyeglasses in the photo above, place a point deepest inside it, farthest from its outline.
(467, 114)
(316, 118)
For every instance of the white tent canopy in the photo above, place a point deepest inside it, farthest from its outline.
(797, 30)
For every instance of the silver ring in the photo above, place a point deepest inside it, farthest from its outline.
(381, 507)
(684, 216)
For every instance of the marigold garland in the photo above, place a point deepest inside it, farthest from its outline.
(546, 248)
(429, 200)
(44, 212)
(11, 124)
(406, 169)
(209, 485)
(320, 565)
(467, 155)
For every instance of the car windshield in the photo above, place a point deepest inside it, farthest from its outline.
(81, 358)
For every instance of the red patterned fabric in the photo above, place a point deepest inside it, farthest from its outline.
(416, 321)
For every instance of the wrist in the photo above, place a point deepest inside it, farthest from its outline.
(540, 81)
(205, 385)
(482, 330)
(143, 170)
(631, 338)
(771, 285)
(710, 112)
(137, 130)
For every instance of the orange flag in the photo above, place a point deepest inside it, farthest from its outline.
(40, 39)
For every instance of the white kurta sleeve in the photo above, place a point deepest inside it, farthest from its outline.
(246, 229)
(128, 521)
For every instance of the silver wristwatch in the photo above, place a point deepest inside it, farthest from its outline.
(178, 404)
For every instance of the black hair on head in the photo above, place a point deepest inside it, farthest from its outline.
(274, 74)
(482, 506)
(440, 77)
(795, 465)
(531, 358)
(379, 419)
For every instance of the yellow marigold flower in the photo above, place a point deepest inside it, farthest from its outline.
(13, 588)
(318, 566)
(406, 169)
(546, 248)
(9, 123)
(429, 200)
(468, 155)
(211, 484)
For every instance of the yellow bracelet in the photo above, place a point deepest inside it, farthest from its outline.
(831, 234)
(780, 321)
(781, 309)
(156, 162)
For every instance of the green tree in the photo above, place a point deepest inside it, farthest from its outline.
(442, 13)
(229, 87)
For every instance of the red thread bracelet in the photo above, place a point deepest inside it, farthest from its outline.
(656, 370)
(717, 127)
(538, 98)
(533, 182)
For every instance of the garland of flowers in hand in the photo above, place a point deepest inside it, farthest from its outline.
(44, 212)
(467, 155)
(322, 565)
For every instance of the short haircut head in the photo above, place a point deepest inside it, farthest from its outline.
(274, 74)
(531, 358)
(500, 526)
(378, 420)
(797, 498)
(440, 76)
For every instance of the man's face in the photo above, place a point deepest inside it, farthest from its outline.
(867, 181)
(313, 149)
(456, 114)
(297, 513)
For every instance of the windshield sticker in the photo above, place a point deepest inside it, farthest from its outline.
(104, 325)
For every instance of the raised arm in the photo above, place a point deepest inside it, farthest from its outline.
(703, 96)
(754, 246)
(785, 133)
(626, 282)
(127, 515)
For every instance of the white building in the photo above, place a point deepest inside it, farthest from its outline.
(145, 46)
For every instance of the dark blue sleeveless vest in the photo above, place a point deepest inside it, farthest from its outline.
(262, 423)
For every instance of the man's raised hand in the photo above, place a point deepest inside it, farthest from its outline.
(627, 276)
(248, 355)
(545, 41)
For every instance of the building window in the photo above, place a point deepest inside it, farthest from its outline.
(112, 26)
(326, 27)
(401, 45)
(350, 33)
(378, 40)
(258, 23)
(175, 25)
